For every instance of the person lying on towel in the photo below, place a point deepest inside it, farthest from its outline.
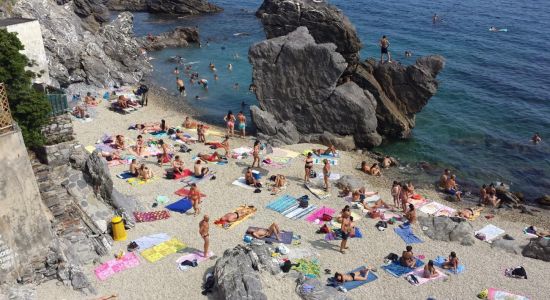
(214, 157)
(330, 150)
(231, 217)
(360, 275)
(261, 233)
(468, 213)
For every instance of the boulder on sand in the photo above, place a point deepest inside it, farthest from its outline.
(448, 229)
(538, 248)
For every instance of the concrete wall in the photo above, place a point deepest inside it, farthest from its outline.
(25, 229)
(30, 35)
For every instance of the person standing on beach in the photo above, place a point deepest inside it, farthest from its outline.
(395, 192)
(230, 122)
(346, 230)
(242, 123)
(181, 86)
(384, 45)
(203, 231)
(195, 197)
(308, 167)
(256, 154)
(326, 173)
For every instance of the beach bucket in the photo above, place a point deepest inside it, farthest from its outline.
(119, 233)
(256, 175)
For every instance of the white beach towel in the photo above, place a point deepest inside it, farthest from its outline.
(149, 241)
(333, 176)
(242, 183)
(491, 232)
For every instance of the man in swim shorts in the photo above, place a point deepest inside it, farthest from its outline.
(181, 86)
(242, 123)
(384, 45)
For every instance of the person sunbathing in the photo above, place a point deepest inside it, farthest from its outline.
(250, 180)
(451, 188)
(181, 136)
(492, 199)
(373, 170)
(199, 170)
(451, 263)
(80, 112)
(214, 157)
(239, 213)
(189, 124)
(360, 275)
(178, 165)
(89, 100)
(279, 181)
(225, 145)
(377, 205)
(261, 233)
(134, 168)
(540, 233)
(468, 213)
(122, 101)
(429, 270)
(407, 258)
(444, 177)
(164, 156)
(140, 145)
(145, 173)
(410, 215)
(148, 127)
(119, 143)
(110, 156)
(360, 194)
(330, 150)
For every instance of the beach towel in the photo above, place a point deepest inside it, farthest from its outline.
(309, 267)
(350, 285)
(333, 176)
(297, 212)
(134, 181)
(491, 232)
(282, 203)
(125, 175)
(181, 206)
(235, 223)
(329, 155)
(286, 236)
(185, 192)
(498, 294)
(419, 274)
(336, 234)
(277, 162)
(331, 161)
(189, 180)
(418, 201)
(162, 199)
(194, 256)
(159, 134)
(285, 153)
(437, 209)
(318, 214)
(386, 215)
(440, 260)
(151, 216)
(337, 224)
(90, 148)
(242, 183)
(113, 266)
(318, 192)
(212, 132)
(146, 242)
(162, 250)
(407, 235)
(185, 173)
(397, 270)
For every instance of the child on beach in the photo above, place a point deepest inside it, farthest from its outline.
(139, 145)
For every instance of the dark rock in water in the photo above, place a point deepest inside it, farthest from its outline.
(298, 95)
(182, 7)
(178, 37)
(507, 197)
(448, 229)
(127, 5)
(237, 272)
(317, 290)
(327, 24)
(538, 248)
(544, 200)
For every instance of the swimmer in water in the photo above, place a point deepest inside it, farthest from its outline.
(435, 18)
(230, 67)
(493, 29)
(216, 77)
(536, 138)
(176, 71)
(236, 86)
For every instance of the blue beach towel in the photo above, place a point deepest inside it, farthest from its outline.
(159, 134)
(438, 262)
(397, 270)
(336, 234)
(125, 175)
(350, 285)
(407, 235)
(180, 206)
(282, 203)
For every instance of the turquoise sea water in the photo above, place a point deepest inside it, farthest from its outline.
(494, 92)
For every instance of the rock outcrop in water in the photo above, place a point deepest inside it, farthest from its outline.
(177, 7)
(296, 85)
(77, 53)
(398, 92)
(178, 37)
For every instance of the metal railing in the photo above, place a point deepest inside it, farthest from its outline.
(6, 120)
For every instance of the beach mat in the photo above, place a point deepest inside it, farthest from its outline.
(319, 161)
(318, 192)
(440, 260)
(125, 175)
(286, 236)
(194, 256)
(298, 212)
(185, 192)
(189, 180)
(282, 203)
(498, 294)
(240, 220)
(309, 267)
(113, 266)
(318, 214)
(285, 153)
(491, 232)
(336, 234)
(419, 274)
(146, 242)
(185, 173)
(242, 183)
(134, 181)
(350, 285)
(162, 250)
(181, 206)
(151, 216)
(397, 270)
(407, 235)
(437, 209)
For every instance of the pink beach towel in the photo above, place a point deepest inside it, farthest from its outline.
(419, 274)
(195, 255)
(496, 294)
(318, 214)
(113, 266)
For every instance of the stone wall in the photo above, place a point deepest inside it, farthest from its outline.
(59, 129)
(58, 154)
(59, 141)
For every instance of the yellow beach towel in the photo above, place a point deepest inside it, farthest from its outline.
(162, 250)
(90, 148)
(240, 220)
(137, 181)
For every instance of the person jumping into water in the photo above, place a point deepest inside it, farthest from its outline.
(384, 45)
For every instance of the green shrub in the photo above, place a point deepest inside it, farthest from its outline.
(29, 107)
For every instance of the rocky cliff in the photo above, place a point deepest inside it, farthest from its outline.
(296, 85)
(79, 50)
(177, 7)
(395, 91)
(178, 37)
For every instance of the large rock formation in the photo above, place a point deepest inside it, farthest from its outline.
(327, 24)
(398, 92)
(296, 86)
(77, 53)
(448, 229)
(538, 248)
(178, 37)
(178, 7)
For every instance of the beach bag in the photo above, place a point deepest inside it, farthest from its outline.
(392, 257)
(282, 249)
(170, 174)
(324, 229)
(326, 218)
(312, 174)
(285, 267)
(517, 272)
(304, 202)
(184, 148)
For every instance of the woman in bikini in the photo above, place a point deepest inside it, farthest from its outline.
(164, 157)
(256, 154)
(360, 275)
(239, 213)
(261, 233)
(326, 173)
(429, 270)
(147, 127)
(451, 263)
(119, 142)
(214, 157)
(308, 166)
(139, 145)
(195, 197)
(230, 121)
(330, 150)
